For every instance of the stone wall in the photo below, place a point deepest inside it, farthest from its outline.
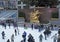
(44, 16)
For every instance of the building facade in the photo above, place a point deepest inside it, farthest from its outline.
(8, 4)
(9, 11)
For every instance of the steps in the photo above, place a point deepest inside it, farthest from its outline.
(21, 20)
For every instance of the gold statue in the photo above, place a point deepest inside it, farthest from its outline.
(34, 16)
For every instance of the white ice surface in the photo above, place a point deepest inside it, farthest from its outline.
(18, 38)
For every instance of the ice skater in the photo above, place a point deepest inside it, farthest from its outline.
(12, 38)
(17, 28)
(18, 31)
(30, 38)
(15, 32)
(39, 28)
(4, 25)
(45, 34)
(24, 36)
(54, 38)
(40, 38)
(3, 35)
(8, 40)
(52, 27)
(32, 26)
(25, 27)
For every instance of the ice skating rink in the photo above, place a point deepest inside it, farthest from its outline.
(18, 38)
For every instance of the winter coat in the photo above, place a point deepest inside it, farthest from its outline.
(31, 39)
(40, 37)
(24, 35)
(3, 34)
(8, 40)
